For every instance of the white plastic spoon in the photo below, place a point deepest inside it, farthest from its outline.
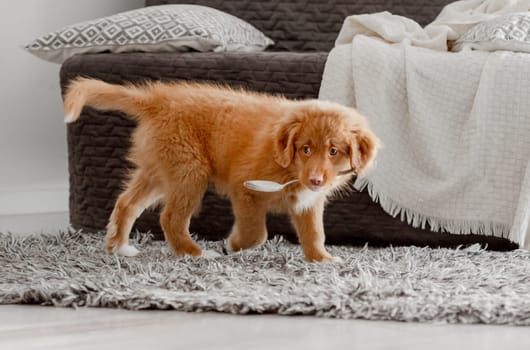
(266, 186)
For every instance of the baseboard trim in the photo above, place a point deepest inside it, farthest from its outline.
(34, 200)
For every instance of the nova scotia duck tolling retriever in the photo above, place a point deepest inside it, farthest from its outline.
(190, 135)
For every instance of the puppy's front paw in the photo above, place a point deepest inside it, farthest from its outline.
(126, 250)
(332, 260)
(336, 259)
(229, 249)
(320, 257)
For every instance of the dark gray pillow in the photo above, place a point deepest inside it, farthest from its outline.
(166, 28)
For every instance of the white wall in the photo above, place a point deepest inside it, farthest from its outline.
(33, 156)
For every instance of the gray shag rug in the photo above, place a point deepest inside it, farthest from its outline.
(468, 285)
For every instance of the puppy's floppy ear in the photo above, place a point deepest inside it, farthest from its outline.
(363, 149)
(284, 137)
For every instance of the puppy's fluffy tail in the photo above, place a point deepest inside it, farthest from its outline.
(100, 95)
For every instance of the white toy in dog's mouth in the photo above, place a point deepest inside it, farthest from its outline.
(266, 186)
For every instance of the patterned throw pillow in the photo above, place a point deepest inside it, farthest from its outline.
(509, 32)
(166, 28)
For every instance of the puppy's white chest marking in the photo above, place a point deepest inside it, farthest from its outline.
(305, 200)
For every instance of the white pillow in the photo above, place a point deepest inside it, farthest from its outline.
(166, 28)
(508, 32)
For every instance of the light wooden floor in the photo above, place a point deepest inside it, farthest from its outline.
(36, 327)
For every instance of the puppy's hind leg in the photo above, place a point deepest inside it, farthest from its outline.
(140, 193)
(182, 201)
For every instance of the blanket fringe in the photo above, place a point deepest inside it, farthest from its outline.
(435, 223)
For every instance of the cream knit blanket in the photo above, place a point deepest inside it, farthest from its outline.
(456, 126)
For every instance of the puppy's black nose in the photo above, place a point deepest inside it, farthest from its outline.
(317, 181)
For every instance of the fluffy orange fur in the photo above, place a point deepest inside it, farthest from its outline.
(191, 135)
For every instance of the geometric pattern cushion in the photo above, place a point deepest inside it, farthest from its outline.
(169, 28)
(509, 32)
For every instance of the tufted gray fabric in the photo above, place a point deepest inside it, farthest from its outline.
(402, 284)
(312, 25)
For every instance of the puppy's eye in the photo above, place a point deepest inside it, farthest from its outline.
(333, 151)
(306, 150)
